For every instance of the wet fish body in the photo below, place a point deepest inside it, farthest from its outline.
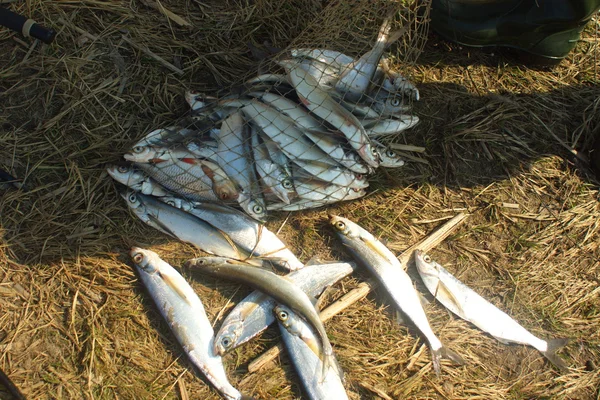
(303, 348)
(389, 271)
(277, 287)
(247, 233)
(182, 225)
(254, 313)
(184, 312)
(470, 306)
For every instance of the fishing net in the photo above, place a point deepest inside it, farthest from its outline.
(305, 128)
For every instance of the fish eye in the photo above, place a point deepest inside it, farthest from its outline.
(340, 225)
(287, 184)
(374, 151)
(224, 195)
(257, 209)
(132, 198)
(390, 153)
(138, 149)
(123, 169)
(426, 258)
(226, 342)
(395, 102)
(283, 315)
(138, 258)
(360, 177)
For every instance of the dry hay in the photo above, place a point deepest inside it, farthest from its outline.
(76, 322)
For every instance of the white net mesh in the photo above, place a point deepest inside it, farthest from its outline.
(304, 131)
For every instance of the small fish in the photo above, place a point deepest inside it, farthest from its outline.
(233, 155)
(324, 172)
(183, 226)
(272, 174)
(320, 102)
(318, 191)
(330, 57)
(356, 78)
(282, 130)
(386, 127)
(390, 272)
(136, 180)
(297, 205)
(184, 312)
(165, 136)
(470, 306)
(254, 313)
(303, 348)
(247, 233)
(279, 288)
(180, 177)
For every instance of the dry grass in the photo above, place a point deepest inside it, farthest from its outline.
(76, 323)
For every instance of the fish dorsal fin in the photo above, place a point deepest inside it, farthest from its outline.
(442, 291)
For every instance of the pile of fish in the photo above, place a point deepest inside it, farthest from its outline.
(299, 139)
(291, 300)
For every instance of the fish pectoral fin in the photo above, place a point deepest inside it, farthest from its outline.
(501, 340)
(442, 291)
(322, 296)
(164, 227)
(173, 285)
(314, 261)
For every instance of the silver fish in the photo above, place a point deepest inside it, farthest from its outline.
(313, 129)
(333, 58)
(356, 78)
(184, 312)
(297, 205)
(165, 136)
(137, 180)
(320, 102)
(254, 313)
(182, 225)
(470, 306)
(233, 155)
(319, 191)
(303, 349)
(279, 288)
(247, 234)
(272, 174)
(336, 175)
(276, 155)
(385, 127)
(388, 270)
(281, 129)
(188, 180)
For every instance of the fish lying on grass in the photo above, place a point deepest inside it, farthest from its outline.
(279, 288)
(182, 225)
(467, 304)
(388, 270)
(245, 232)
(303, 348)
(254, 313)
(182, 309)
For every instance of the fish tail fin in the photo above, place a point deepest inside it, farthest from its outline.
(385, 36)
(444, 352)
(553, 346)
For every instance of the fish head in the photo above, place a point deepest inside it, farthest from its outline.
(369, 154)
(125, 174)
(389, 158)
(143, 259)
(227, 338)
(143, 154)
(344, 227)
(425, 264)
(283, 315)
(209, 263)
(255, 207)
